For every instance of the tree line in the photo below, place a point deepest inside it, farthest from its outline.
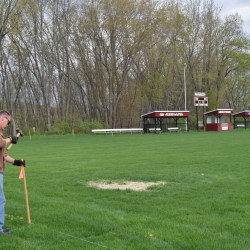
(110, 61)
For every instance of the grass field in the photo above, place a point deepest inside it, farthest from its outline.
(205, 203)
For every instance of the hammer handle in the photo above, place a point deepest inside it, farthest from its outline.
(9, 147)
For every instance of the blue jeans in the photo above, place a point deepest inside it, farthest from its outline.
(2, 203)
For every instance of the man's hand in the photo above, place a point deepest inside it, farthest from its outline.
(14, 139)
(19, 163)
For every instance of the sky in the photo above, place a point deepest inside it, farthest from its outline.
(242, 7)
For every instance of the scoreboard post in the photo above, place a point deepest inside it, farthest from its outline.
(200, 100)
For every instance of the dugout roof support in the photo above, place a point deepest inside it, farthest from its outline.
(158, 119)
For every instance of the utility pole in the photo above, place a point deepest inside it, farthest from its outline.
(185, 90)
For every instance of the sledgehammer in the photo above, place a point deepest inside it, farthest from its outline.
(19, 133)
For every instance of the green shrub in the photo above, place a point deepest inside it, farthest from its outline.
(86, 126)
(80, 127)
(62, 128)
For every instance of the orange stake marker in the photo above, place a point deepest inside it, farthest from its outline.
(22, 176)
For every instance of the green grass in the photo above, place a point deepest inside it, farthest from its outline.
(204, 205)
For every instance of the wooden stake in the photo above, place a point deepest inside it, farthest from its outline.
(26, 194)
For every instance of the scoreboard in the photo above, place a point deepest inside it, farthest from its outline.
(200, 101)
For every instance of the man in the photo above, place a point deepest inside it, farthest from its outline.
(5, 119)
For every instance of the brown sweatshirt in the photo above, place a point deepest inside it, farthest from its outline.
(2, 153)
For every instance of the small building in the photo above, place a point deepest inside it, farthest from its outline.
(165, 121)
(242, 119)
(218, 120)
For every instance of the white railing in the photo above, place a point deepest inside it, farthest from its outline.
(117, 130)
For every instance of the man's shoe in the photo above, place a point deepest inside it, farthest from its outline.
(6, 231)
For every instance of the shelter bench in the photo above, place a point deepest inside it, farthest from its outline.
(240, 125)
(154, 129)
(174, 129)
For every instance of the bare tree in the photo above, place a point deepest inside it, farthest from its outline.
(64, 61)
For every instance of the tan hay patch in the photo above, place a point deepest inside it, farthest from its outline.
(132, 185)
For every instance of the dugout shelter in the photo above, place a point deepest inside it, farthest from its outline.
(164, 121)
(242, 119)
(218, 120)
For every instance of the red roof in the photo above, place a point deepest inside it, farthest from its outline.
(243, 113)
(166, 114)
(219, 112)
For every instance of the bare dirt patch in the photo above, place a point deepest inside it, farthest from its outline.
(132, 185)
